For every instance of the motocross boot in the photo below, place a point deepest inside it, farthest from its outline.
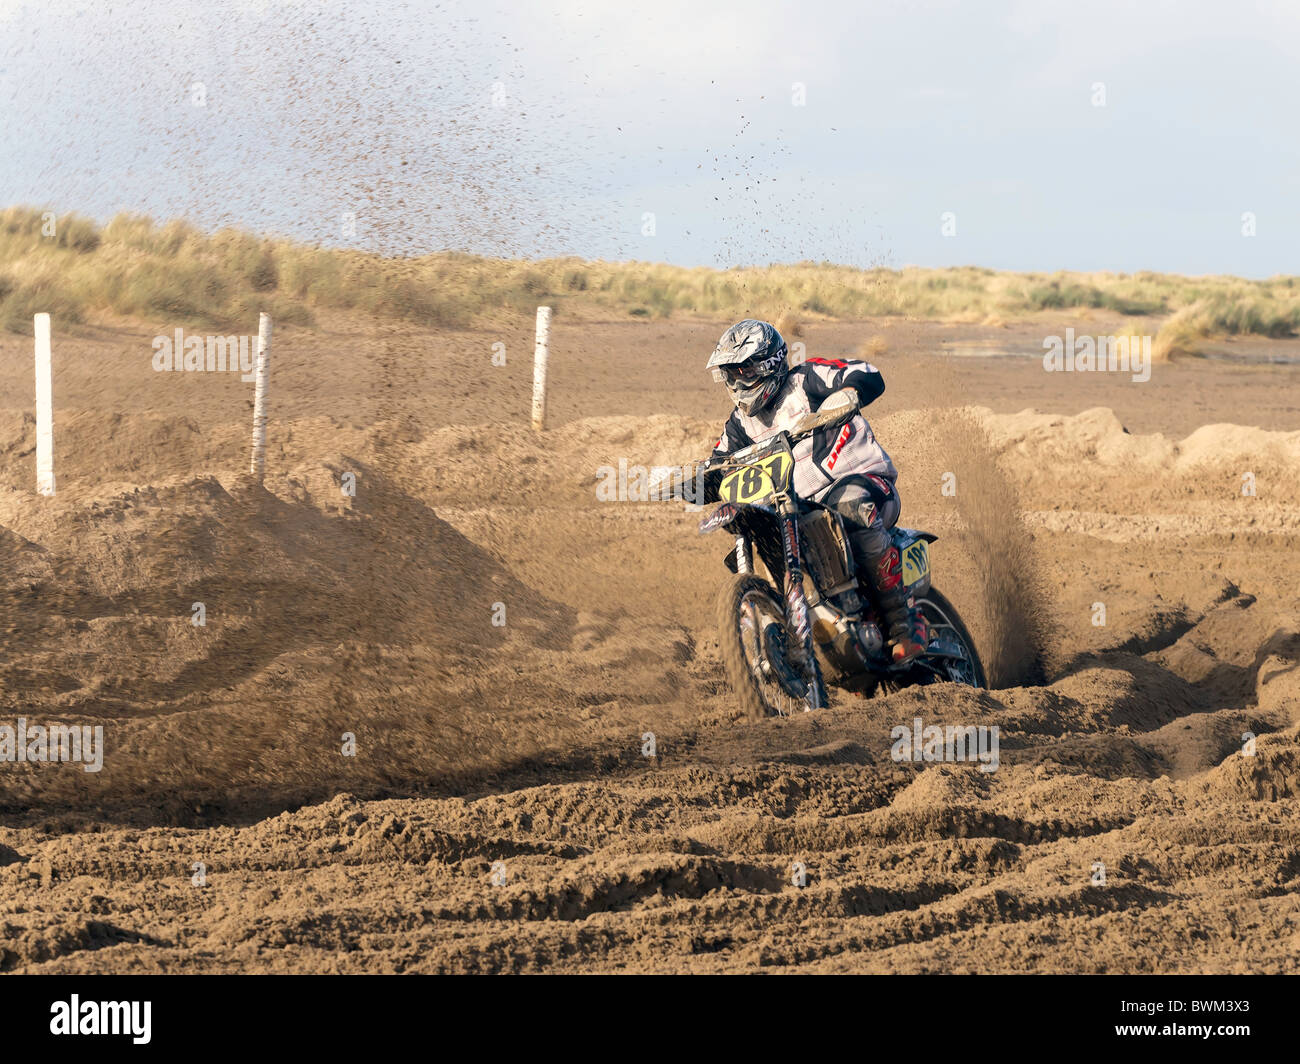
(907, 630)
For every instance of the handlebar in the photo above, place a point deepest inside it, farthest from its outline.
(837, 408)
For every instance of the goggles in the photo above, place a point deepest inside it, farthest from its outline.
(751, 370)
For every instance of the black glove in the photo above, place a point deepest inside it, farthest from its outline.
(707, 479)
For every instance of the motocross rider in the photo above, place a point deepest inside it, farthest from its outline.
(843, 468)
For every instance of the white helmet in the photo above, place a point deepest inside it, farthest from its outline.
(750, 360)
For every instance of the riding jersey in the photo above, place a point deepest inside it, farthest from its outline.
(829, 454)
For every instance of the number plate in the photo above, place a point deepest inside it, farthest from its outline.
(758, 480)
(916, 562)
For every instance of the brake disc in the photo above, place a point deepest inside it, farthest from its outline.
(776, 663)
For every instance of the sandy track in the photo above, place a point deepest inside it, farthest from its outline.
(521, 744)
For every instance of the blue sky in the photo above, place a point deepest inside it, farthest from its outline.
(532, 128)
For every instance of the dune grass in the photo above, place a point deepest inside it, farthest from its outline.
(177, 274)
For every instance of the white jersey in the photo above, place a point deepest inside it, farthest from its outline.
(829, 454)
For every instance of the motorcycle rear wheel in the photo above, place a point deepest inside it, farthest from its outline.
(943, 620)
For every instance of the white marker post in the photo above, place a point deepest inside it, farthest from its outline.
(259, 396)
(44, 407)
(539, 367)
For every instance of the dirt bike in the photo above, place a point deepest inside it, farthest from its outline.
(779, 635)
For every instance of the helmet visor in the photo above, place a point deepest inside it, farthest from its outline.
(748, 371)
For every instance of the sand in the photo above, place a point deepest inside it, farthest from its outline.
(498, 811)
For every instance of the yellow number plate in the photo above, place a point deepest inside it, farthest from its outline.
(753, 483)
(916, 562)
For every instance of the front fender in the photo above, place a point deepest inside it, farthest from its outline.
(720, 517)
(729, 512)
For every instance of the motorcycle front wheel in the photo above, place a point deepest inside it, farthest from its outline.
(754, 637)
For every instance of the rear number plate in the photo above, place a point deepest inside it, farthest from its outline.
(916, 562)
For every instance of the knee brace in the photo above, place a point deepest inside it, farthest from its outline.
(869, 540)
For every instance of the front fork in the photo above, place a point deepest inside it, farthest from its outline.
(796, 604)
(744, 556)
